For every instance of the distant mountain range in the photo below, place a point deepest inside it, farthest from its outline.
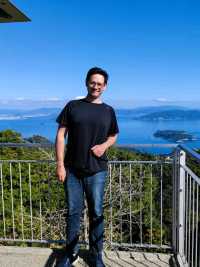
(138, 113)
(174, 115)
(154, 113)
(160, 113)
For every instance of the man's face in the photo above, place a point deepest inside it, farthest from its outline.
(96, 85)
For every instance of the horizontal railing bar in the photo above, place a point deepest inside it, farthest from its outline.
(109, 162)
(83, 243)
(141, 161)
(27, 145)
(43, 241)
(53, 145)
(191, 173)
(27, 161)
(146, 145)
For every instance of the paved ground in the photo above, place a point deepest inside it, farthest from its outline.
(42, 257)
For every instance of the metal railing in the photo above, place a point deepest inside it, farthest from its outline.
(148, 204)
(137, 210)
(186, 207)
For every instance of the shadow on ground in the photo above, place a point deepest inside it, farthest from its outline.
(57, 255)
(113, 259)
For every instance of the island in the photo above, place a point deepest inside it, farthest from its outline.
(175, 135)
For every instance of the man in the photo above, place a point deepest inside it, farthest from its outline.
(92, 128)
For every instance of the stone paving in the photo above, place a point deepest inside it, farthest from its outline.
(44, 257)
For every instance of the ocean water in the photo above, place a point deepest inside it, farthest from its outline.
(131, 131)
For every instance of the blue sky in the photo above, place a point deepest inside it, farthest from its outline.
(150, 49)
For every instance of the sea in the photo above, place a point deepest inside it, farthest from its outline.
(131, 131)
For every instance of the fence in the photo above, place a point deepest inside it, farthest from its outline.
(186, 207)
(148, 204)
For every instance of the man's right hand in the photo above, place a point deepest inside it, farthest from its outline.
(61, 172)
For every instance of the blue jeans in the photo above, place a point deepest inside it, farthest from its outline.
(93, 187)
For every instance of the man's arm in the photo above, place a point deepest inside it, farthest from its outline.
(99, 150)
(110, 141)
(60, 148)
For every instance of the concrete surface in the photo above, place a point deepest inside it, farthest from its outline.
(44, 257)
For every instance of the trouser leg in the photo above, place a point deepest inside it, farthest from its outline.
(94, 190)
(74, 197)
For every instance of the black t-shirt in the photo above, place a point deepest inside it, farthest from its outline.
(88, 124)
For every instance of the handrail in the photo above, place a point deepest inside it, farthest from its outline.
(146, 145)
(186, 208)
(191, 152)
(9, 144)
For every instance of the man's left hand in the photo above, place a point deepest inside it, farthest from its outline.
(99, 150)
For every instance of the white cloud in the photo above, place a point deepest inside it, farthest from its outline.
(20, 98)
(52, 99)
(162, 99)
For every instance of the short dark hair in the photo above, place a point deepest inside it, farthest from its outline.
(97, 70)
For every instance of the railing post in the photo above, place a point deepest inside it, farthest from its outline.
(174, 204)
(181, 203)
